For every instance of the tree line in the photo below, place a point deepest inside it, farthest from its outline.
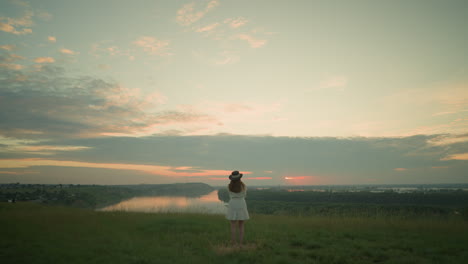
(365, 203)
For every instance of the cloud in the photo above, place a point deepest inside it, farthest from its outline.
(400, 169)
(43, 149)
(446, 102)
(11, 66)
(236, 117)
(108, 48)
(223, 32)
(44, 15)
(68, 52)
(189, 14)
(153, 46)
(224, 57)
(454, 126)
(150, 169)
(44, 60)
(236, 23)
(14, 57)
(113, 50)
(458, 156)
(253, 41)
(18, 172)
(20, 25)
(104, 66)
(8, 61)
(448, 139)
(436, 109)
(8, 47)
(17, 26)
(52, 39)
(444, 113)
(208, 28)
(48, 104)
(302, 160)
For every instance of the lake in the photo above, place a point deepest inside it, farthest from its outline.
(206, 204)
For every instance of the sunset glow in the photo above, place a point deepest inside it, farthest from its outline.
(151, 169)
(295, 178)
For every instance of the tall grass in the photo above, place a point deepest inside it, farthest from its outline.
(35, 233)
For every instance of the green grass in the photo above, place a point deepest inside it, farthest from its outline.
(35, 233)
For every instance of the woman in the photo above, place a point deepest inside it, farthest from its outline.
(237, 208)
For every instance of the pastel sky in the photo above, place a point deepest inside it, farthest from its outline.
(288, 92)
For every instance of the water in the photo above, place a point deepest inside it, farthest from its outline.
(207, 204)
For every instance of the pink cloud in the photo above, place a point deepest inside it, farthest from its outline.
(444, 113)
(150, 169)
(10, 58)
(188, 14)
(17, 26)
(236, 23)
(22, 25)
(11, 66)
(460, 156)
(208, 28)
(68, 51)
(400, 169)
(113, 50)
(46, 149)
(295, 178)
(7, 47)
(52, 39)
(44, 60)
(253, 42)
(153, 46)
(455, 126)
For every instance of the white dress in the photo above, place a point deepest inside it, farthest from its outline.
(237, 208)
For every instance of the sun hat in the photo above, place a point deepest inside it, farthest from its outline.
(235, 175)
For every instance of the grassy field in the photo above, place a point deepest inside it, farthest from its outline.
(36, 233)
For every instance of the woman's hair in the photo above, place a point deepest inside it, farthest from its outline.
(236, 186)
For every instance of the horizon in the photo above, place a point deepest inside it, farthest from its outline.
(309, 93)
(253, 186)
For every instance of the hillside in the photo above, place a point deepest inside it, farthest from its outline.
(36, 233)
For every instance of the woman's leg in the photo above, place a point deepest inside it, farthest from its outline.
(241, 232)
(233, 231)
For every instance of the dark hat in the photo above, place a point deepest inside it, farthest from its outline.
(235, 175)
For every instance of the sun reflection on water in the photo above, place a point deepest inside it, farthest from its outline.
(207, 204)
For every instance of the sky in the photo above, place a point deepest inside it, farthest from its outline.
(287, 92)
